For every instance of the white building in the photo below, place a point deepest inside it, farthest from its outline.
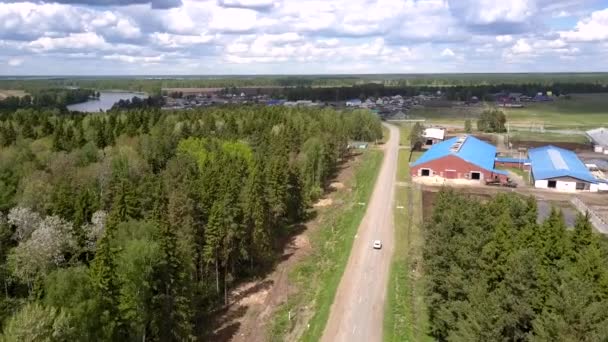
(560, 169)
(599, 137)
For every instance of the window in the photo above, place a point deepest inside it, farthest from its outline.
(425, 172)
(476, 175)
(580, 186)
(429, 142)
(552, 184)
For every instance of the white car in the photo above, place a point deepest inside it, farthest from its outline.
(377, 244)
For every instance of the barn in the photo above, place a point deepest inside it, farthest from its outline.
(463, 157)
(432, 136)
(560, 169)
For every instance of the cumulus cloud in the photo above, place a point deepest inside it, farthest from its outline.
(253, 4)
(297, 35)
(593, 28)
(159, 4)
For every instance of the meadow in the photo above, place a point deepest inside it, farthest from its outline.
(579, 112)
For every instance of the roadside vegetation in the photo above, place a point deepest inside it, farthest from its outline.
(316, 278)
(135, 224)
(493, 273)
(405, 317)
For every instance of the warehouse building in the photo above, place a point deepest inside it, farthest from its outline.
(432, 136)
(464, 157)
(560, 169)
(599, 138)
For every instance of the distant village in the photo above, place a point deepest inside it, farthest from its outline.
(395, 107)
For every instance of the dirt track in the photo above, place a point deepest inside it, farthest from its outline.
(357, 313)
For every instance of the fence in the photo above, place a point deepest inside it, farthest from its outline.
(598, 222)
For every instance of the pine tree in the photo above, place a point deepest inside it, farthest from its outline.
(172, 316)
(103, 273)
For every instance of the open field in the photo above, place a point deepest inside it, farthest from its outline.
(405, 317)
(580, 112)
(8, 93)
(316, 278)
(549, 137)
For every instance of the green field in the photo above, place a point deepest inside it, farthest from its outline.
(581, 112)
(548, 137)
(405, 317)
(317, 277)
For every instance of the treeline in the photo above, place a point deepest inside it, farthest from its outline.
(133, 225)
(495, 274)
(154, 101)
(453, 93)
(154, 85)
(47, 98)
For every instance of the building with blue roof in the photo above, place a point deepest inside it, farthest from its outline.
(463, 157)
(557, 168)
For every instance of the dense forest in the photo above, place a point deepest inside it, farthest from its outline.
(521, 82)
(133, 225)
(57, 98)
(495, 274)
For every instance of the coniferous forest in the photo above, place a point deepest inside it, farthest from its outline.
(133, 225)
(494, 274)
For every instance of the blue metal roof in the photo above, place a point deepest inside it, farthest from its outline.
(512, 160)
(553, 162)
(473, 151)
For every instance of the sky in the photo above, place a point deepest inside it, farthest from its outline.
(207, 37)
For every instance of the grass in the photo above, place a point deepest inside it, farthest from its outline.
(549, 137)
(581, 112)
(385, 134)
(404, 131)
(405, 317)
(522, 173)
(403, 168)
(316, 278)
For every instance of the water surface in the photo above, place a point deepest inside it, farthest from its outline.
(106, 100)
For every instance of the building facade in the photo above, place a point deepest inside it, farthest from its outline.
(561, 169)
(464, 158)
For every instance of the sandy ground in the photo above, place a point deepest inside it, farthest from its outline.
(357, 313)
(4, 93)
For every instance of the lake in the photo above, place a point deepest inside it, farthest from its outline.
(106, 100)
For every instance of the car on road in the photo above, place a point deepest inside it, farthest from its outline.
(377, 244)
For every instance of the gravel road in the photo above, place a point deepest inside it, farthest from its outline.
(358, 310)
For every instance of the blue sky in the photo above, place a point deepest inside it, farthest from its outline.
(122, 37)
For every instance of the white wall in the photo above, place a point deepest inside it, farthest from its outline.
(541, 183)
(566, 186)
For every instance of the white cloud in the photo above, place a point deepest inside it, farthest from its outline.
(504, 38)
(483, 12)
(254, 4)
(521, 47)
(447, 52)
(233, 20)
(135, 59)
(15, 62)
(169, 40)
(593, 28)
(74, 41)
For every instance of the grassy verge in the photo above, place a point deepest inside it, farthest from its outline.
(549, 137)
(316, 278)
(524, 174)
(404, 131)
(405, 317)
(385, 134)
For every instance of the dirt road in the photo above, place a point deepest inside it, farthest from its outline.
(358, 310)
